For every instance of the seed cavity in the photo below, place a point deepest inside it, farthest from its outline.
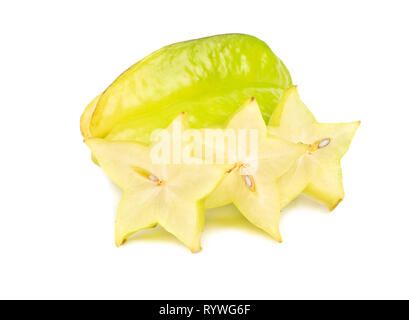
(148, 175)
(249, 181)
(324, 142)
(153, 178)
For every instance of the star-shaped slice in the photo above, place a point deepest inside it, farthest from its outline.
(317, 173)
(169, 194)
(250, 181)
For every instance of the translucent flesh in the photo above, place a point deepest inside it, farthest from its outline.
(176, 204)
(317, 173)
(261, 206)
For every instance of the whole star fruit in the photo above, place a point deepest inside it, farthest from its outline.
(209, 78)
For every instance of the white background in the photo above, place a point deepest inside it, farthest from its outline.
(350, 60)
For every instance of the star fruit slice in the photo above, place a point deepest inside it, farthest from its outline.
(165, 193)
(317, 173)
(209, 78)
(250, 182)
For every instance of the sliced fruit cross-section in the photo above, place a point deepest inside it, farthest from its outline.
(317, 173)
(253, 190)
(165, 193)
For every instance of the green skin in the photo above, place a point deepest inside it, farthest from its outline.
(208, 78)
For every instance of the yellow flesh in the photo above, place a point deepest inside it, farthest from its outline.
(317, 173)
(257, 196)
(168, 194)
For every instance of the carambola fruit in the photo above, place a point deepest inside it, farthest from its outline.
(317, 173)
(169, 194)
(209, 78)
(254, 190)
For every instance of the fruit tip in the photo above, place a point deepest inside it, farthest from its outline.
(277, 237)
(196, 250)
(120, 243)
(88, 142)
(336, 204)
(292, 88)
